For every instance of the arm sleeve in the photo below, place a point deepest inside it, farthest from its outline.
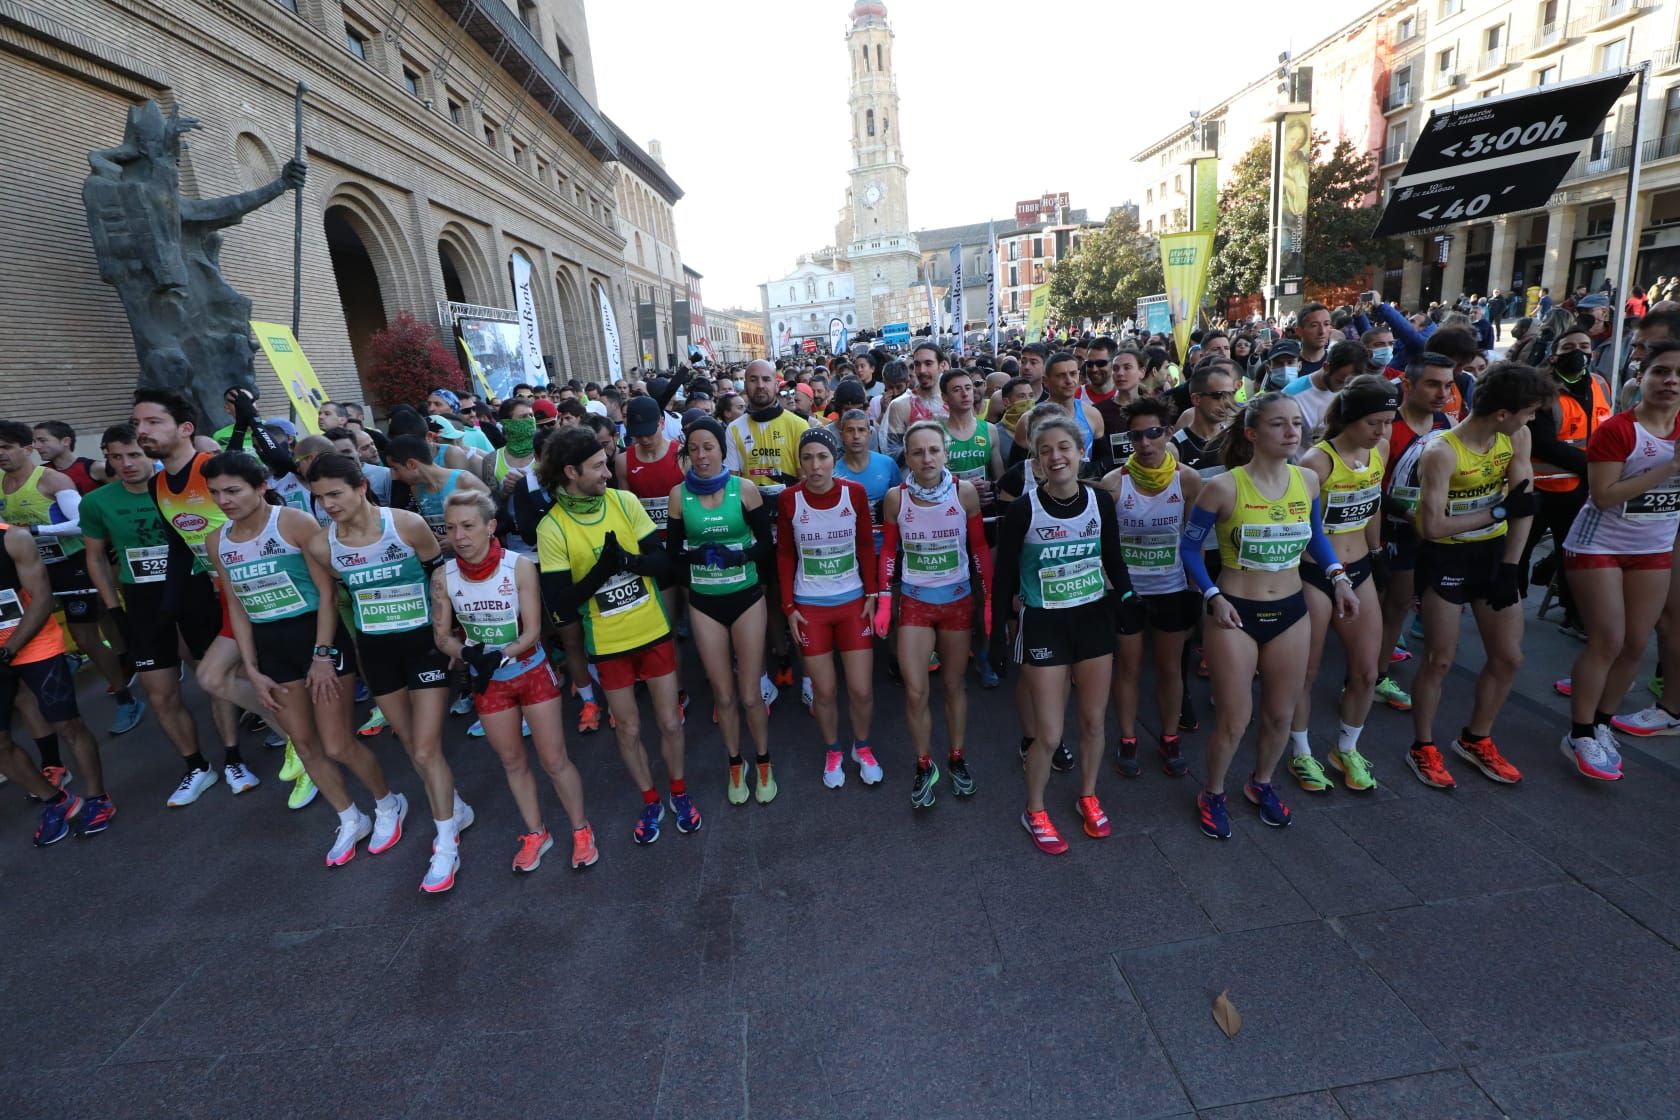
(672, 385)
(1012, 536)
(978, 549)
(1548, 448)
(1197, 526)
(676, 543)
(786, 548)
(1319, 547)
(69, 503)
(887, 560)
(1114, 564)
(653, 561)
(760, 521)
(865, 538)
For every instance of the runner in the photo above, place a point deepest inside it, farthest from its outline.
(1474, 505)
(32, 655)
(124, 517)
(55, 443)
(1349, 465)
(600, 560)
(937, 519)
(1061, 576)
(495, 596)
(382, 557)
(1061, 383)
(826, 555)
(283, 608)
(1151, 493)
(719, 539)
(1265, 513)
(651, 468)
(922, 402)
(431, 485)
(1618, 556)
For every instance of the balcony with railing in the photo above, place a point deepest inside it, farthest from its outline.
(1399, 97)
(1608, 13)
(1613, 160)
(1395, 151)
(1549, 37)
(1493, 60)
(1667, 60)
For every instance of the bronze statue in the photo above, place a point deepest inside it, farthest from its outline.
(191, 328)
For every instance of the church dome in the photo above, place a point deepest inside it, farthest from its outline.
(866, 13)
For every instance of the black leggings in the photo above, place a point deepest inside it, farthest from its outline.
(1557, 514)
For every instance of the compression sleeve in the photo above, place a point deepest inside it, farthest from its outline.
(1320, 548)
(786, 548)
(888, 565)
(69, 503)
(676, 543)
(1197, 526)
(763, 550)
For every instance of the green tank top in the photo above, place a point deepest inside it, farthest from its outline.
(389, 590)
(969, 459)
(269, 574)
(725, 526)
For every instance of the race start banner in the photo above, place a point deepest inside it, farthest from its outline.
(1184, 261)
(296, 375)
(1498, 155)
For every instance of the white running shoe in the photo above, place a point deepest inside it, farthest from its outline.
(193, 784)
(868, 769)
(1612, 746)
(239, 778)
(1588, 758)
(834, 773)
(806, 696)
(464, 815)
(767, 689)
(440, 873)
(1647, 722)
(350, 833)
(387, 825)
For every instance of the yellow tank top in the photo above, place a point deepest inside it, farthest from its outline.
(626, 614)
(1350, 497)
(27, 506)
(1477, 483)
(1265, 534)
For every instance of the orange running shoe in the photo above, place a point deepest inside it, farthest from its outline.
(589, 717)
(1484, 756)
(532, 847)
(1091, 815)
(584, 852)
(1427, 764)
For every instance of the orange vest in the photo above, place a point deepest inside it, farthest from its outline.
(14, 601)
(1574, 426)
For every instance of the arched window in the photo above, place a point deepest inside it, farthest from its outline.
(865, 50)
(641, 253)
(831, 289)
(869, 119)
(793, 296)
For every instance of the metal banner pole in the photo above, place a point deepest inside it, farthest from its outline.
(297, 228)
(1630, 215)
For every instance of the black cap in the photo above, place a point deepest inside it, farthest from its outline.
(850, 394)
(642, 417)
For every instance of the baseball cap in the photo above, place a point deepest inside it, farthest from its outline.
(284, 425)
(595, 407)
(850, 394)
(544, 409)
(443, 427)
(642, 417)
(1286, 347)
(806, 389)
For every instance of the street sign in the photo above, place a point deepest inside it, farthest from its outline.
(1497, 155)
(898, 334)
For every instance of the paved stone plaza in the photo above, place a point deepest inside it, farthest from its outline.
(1407, 953)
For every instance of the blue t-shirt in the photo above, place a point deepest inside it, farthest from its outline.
(878, 477)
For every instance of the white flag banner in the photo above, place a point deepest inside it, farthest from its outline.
(934, 324)
(958, 316)
(530, 345)
(991, 286)
(609, 331)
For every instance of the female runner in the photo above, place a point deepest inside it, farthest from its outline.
(1264, 511)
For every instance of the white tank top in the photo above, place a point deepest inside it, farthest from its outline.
(935, 540)
(1639, 526)
(826, 541)
(488, 608)
(1150, 525)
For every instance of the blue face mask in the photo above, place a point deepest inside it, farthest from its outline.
(1382, 355)
(1282, 375)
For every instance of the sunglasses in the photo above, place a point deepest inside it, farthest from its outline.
(1154, 431)
(1218, 395)
(1096, 363)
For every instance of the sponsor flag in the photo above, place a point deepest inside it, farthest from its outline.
(530, 344)
(1184, 260)
(609, 331)
(296, 375)
(958, 316)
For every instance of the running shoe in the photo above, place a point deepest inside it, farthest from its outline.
(682, 705)
(77, 662)
(765, 791)
(1215, 821)
(589, 717)
(1588, 758)
(97, 813)
(584, 851)
(1188, 722)
(532, 847)
(1092, 818)
(1062, 760)
(1043, 833)
(252, 721)
(362, 693)
(988, 675)
(962, 782)
(1572, 630)
(1201, 668)
(868, 769)
(55, 820)
(1126, 761)
(274, 740)
(934, 664)
(388, 825)
(1430, 768)
(193, 784)
(921, 786)
(57, 777)
(476, 729)
(688, 817)
(1356, 771)
(440, 873)
(1612, 746)
(291, 767)
(303, 792)
(1173, 763)
(682, 630)
(647, 825)
(128, 715)
(834, 774)
(1309, 774)
(1647, 722)
(738, 783)
(1564, 686)
(1417, 627)
(239, 778)
(807, 696)
(1484, 756)
(1393, 695)
(768, 690)
(374, 725)
(1400, 653)
(350, 833)
(462, 706)
(1272, 811)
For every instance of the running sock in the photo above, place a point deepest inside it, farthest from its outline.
(1169, 740)
(955, 754)
(196, 761)
(678, 787)
(388, 803)
(1419, 744)
(1298, 745)
(1601, 719)
(924, 762)
(586, 693)
(458, 806)
(1347, 739)
(350, 815)
(1580, 731)
(650, 796)
(1471, 737)
(232, 757)
(447, 834)
(48, 746)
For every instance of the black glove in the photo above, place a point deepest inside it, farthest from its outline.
(1379, 569)
(1520, 502)
(244, 406)
(1505, 591)
(612, 559)
(482, 663)
(1128, 613)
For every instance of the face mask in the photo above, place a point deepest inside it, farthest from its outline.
(1282, 376)
(1570, 365)
(521, 435)
(1382, 355)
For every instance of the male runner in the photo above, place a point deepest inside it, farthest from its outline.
(55, 443)
(923, 401)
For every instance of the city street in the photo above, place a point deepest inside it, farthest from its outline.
(1407, 953)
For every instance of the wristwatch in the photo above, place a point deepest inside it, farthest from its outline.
(1499, 513)
(326, 653)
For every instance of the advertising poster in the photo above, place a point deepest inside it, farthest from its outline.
(1184, 260)
(495, 347)
(296, 375)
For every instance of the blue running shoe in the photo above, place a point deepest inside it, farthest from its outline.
(476, 731)
(1272, 811)
(55, 820)
(988, 675)
(1215, 821)
(128, 715)
(362, 693)
(96, 814)
(647, 825)
(688, 817)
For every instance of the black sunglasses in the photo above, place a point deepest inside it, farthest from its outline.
(1154, 431)
(1217, 394)
(1096, 363)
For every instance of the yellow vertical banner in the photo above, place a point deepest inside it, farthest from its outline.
(1037, 311)
(296, 375)
(1207, 193)
(1184, 262)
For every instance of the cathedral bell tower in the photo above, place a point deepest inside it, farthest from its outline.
(878, 246)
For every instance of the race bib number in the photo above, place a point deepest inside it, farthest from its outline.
(148, 564)
(492, 628)
(11, 612)
(659, 510)
(1272, 548)
(1458, 506)
(1404, 499)
(269, 597)
(703, 576)
(1071, 585)
(1660, 503)
(384, 610)
(833, 561)
(49, 549)
(1149, 550)
(624, 591)
(1348, 510)
(932, 558)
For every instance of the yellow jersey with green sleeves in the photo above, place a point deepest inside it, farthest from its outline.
(626, 613)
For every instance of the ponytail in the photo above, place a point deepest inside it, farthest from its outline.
(1237, 449)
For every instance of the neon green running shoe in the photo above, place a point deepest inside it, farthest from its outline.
(766, 789)
(1393, 695)
(1356, 772)
(374, 725)
(292, 766)
(303, 792)
(1310, 774)
(738, 784)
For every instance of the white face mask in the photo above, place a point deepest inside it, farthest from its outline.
(1283, 375)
